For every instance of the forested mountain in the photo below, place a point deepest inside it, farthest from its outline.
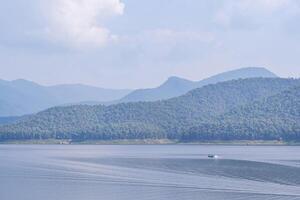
(274, 117)
(21, 97)
(238, 109)
(176, 86)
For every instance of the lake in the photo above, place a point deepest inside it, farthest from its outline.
(148, 172)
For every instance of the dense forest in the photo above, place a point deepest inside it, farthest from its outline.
(275, 117)
(255, 108)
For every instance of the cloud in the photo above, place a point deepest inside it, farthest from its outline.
(165, 45)
(253, 13)
(80, 23)
(170, 36)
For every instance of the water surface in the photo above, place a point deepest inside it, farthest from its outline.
(148, 172)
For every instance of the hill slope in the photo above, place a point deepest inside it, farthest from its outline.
(176, 118)
(176, 86)
(21, 97)
(275, 117)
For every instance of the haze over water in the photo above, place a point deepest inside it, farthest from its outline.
(180, 172)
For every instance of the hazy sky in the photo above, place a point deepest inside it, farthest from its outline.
(139, 43)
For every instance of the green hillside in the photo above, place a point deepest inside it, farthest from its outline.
(275, 117)
(215, 111)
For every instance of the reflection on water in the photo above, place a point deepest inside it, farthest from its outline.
(148, 172)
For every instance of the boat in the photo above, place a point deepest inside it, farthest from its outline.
(212, 156)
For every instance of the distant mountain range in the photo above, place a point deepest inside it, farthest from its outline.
(22, 97)
(10, 120)
(176, 86)
(253, 108)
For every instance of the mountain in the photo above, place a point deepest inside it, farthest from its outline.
(176, 86)
(215, 111)
(9, 120)
(83, 93)
(173, 87)
(20, 97)
(275, 117)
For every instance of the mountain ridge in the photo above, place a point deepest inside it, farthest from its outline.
(198, 112)
(176, 86)
(21, 97)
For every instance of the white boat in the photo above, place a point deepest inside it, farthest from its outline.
(212, 156)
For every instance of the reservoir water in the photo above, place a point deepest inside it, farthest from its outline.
(148, 172)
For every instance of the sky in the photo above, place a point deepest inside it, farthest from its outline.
(140, 43)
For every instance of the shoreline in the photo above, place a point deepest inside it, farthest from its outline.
(153, 142)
